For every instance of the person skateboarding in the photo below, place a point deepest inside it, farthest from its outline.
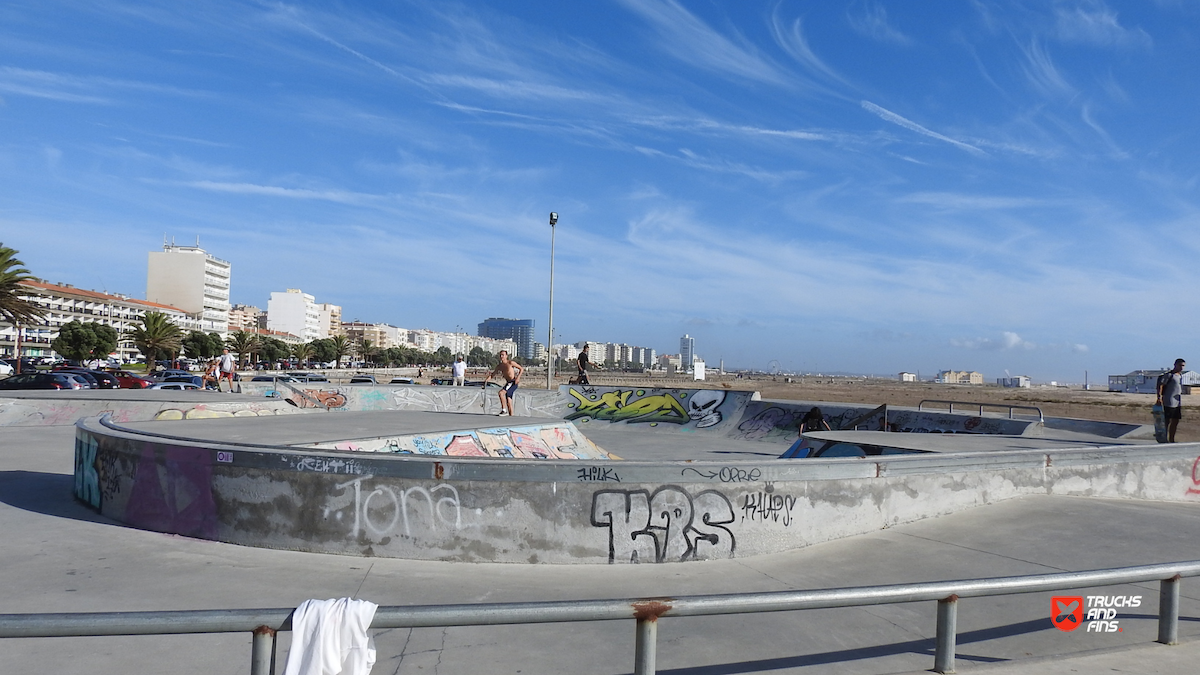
(584, 366)
(511, 370)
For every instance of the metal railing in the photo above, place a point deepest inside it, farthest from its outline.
(981, 406)
(264, 623)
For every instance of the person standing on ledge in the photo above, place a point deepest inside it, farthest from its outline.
(459, 371)
(1170, 397)
(584, 366)
(511, 370)
(227, 366)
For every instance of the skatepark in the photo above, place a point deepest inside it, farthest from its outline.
(418, 496)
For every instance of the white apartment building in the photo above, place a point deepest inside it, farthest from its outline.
(244, 317)
(188, 278)
(295, 312)
(330, 318)
(382, 335)
(65, 303)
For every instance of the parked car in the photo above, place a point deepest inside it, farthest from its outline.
(103, 380)
(92, 382)
(161, 375)
(309, 377)
(363, 379)
(78, 378)
(42, 380)
(402, 380)
(178, 386)
(130, 381)
(6, 369)
(192, 379)
(273, 378)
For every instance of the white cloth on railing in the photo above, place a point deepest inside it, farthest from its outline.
(329, 637)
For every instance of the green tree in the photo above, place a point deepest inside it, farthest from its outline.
(341, 347)
(273, 349)
(323, 350)
(156, 337)
(365, 350)
(477, 357)
(197, 345)
(243, 343)
(75, 340)
(442, 356)
(14, 308)
(303, 352)
(106, 341)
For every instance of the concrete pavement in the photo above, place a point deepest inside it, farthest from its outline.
(59, 556)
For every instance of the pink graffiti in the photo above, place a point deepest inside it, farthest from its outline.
(172, 492)
(1195, 489)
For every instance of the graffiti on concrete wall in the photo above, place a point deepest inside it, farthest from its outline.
(172, 492)
(639, 406)
(1195, 488)
(204, 412)
(556, 441)
(384, 510)
(87, 477)
(667, 525)
(768, 506)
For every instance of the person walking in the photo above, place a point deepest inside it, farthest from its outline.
(459, 371)
(511, 370)
(227, 365)
(1170, 397)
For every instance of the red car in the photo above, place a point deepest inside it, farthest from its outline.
(130, 381)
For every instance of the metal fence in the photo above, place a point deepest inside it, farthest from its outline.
(981, 406)
(264, 623)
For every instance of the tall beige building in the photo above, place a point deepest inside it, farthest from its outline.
(189, 278)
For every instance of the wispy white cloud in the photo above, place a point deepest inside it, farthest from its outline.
(1042, 74)
(338, 196)
(965, 202)
(1008, 341)
(696, 161)
(1085, 113)
(892, 117)
(694, 42)
(791, 39)
(1095, 24)
(872, 22)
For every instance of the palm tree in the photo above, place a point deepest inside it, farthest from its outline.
(13, 308)
(341, 347)
(244, 343)
(303, 352)
(156, 336)
(365, 349)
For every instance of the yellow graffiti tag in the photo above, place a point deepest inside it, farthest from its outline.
(614, 406)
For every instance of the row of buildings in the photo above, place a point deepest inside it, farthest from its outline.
(192, 287)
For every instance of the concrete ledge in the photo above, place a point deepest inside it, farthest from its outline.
(556, 511)
(55, 408)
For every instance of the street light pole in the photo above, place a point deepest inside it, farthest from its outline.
(550, 339)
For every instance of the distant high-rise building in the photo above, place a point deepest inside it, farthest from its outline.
(517, 330)
(295, 312)
(189, 278)
(687, 351)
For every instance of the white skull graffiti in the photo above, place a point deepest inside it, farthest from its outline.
(702, 407)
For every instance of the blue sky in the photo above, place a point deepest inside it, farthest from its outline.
(866, 186)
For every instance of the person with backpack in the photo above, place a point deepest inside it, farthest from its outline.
(1170, 397)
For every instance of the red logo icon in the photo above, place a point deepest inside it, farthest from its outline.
(1066, 611)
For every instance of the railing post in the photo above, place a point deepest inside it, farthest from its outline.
(947, 627)
(1168, 610)
(646, 649)
(262, 651)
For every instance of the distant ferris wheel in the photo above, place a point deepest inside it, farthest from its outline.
(773, 367)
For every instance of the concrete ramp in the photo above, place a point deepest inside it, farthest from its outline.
(57, 408)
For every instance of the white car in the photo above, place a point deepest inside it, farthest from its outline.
(177, 386)
(6, 369)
